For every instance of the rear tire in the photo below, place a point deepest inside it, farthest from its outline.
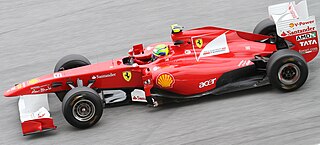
(287, 70)
(268, 27)
(69, 62)
(82, 107)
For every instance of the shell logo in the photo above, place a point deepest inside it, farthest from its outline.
(165, 80)
(291, 25)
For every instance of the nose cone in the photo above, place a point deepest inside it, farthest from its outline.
(21, 88)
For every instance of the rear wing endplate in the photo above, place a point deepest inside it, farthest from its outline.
(294, 24)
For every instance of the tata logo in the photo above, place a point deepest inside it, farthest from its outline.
(306, 36)
(309, 42)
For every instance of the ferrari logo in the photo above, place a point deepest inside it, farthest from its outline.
(127, 75)
(199, 42)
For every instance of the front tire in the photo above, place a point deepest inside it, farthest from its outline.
(82, 107)
(69, 62)
(287, 70)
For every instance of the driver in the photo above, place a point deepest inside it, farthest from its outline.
(159, 50)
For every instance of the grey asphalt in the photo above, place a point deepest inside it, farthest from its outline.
(34, 34)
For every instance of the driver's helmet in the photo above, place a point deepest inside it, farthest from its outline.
(159, 50)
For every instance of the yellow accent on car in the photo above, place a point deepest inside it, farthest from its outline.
(176, 28)
(127, 75)
(33, 81)
(165, 80)
(199, 42)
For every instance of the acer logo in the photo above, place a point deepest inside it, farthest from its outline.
(309, 42)
(207, 83)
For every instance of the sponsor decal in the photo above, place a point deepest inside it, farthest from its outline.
(33, 81)
(57, 75)
(199, 42)
(104, 76)
(309, 42)
(216, 46)
(165, 80)
(299, 31)
(295, 27)
(155, 68)
(187, 52)
(302, 23)
(12, 89)
(244, 63)
(309, 50)
(19, 86)
(40, 89)
(306, 36)
(127, 75)
(138, 98)
(138, 95)
(207, 83)
(292, 10)
(214, 51)
(291, 25)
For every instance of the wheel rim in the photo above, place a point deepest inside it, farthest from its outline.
(289, 74)
(83, 110)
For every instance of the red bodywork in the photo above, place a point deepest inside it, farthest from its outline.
(183, 72)
(197, 60)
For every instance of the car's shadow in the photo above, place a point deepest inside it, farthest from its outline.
(210, 98)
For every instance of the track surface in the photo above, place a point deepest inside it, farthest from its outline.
(34, 34)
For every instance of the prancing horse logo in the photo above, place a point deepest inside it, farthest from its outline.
(127, 75)
(199, 42)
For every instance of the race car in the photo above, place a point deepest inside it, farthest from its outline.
(198, 62)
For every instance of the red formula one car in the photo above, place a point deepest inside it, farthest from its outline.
(201, 61)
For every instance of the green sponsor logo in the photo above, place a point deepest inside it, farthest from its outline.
(306, 36)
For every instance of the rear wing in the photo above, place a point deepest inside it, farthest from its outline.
(294, 24)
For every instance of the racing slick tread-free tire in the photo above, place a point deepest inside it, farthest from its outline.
(82, 107)
(69, 62)
(268, 27)
(265, 27)
(287, 70)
